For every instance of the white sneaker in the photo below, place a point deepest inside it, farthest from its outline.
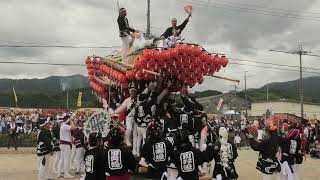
(68, 176)
(59, 175)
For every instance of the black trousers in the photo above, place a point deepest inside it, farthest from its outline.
(12, 139)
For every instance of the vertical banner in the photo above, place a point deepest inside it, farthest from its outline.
(219, 104)
(79, 99)
(15, 95)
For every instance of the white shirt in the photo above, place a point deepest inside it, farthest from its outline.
(65, 132)
(126, 106)
(237, 139)
(260, 134)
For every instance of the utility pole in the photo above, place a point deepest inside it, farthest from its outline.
(148, 33)
(245, 92)
(267, 91)
(67, 99)
(299, 52)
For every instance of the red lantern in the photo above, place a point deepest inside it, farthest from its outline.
(196, 50)
(147, 53)
(203, 57)
(189, 50)
(173, 53)
(122, 78)
(137, 64)
(180, 49)
(216, 60)
(130, 74)
(139, 75)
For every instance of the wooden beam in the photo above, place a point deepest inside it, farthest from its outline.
(225, 78)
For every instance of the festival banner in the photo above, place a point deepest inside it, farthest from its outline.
(79, 99)
(15, 95)
(219, 104)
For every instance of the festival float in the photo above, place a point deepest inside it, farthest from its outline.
(185, 64)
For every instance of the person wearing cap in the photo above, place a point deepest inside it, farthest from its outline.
(128, 106)
(175, 30)
(94, 158)
(65, 146)
(118, 159)
(267, 163)
(125, 30)
(44, 148)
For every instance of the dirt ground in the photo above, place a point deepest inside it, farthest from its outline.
(21, 164)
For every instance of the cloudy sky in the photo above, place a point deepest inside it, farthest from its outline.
(243, 29)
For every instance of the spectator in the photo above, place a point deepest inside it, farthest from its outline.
(237, 141)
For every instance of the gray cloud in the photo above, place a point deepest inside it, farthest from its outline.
(90, 23)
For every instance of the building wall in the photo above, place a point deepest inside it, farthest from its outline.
(310, 111)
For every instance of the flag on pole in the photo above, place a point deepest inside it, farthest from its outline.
(219, 104)
(15, 95)
(79, 99)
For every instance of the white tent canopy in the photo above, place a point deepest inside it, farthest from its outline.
(231, 112)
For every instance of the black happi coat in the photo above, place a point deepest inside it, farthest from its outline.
(187, 159)
(267, 160)
(167, 121)
(143, 111)
(124, 27)
(118, 161)
(214, 152)
(94, 164)
(56, 137)
(290, 150)
(168, 32)
(44, 142)
(157, 155)
(184, 120)
(79, 138)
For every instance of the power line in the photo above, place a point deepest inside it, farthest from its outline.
(57, 46)
(275, 68)
(275, 64)
(259, 10)
(250, 11)
(280, 9)
(40, 63)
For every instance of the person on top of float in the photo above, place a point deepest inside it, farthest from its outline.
(125, 30)
(174, 29)
(118, 159)
(267, 163)
(156, 151)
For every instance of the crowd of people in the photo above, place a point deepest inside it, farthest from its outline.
(17, 122)
(172, 138)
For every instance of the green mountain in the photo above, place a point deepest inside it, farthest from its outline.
(289, 90)
(54, 101)
(49, 85)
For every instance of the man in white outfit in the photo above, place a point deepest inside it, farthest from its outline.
(125, 30)
(128, 106)
(65, 146)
